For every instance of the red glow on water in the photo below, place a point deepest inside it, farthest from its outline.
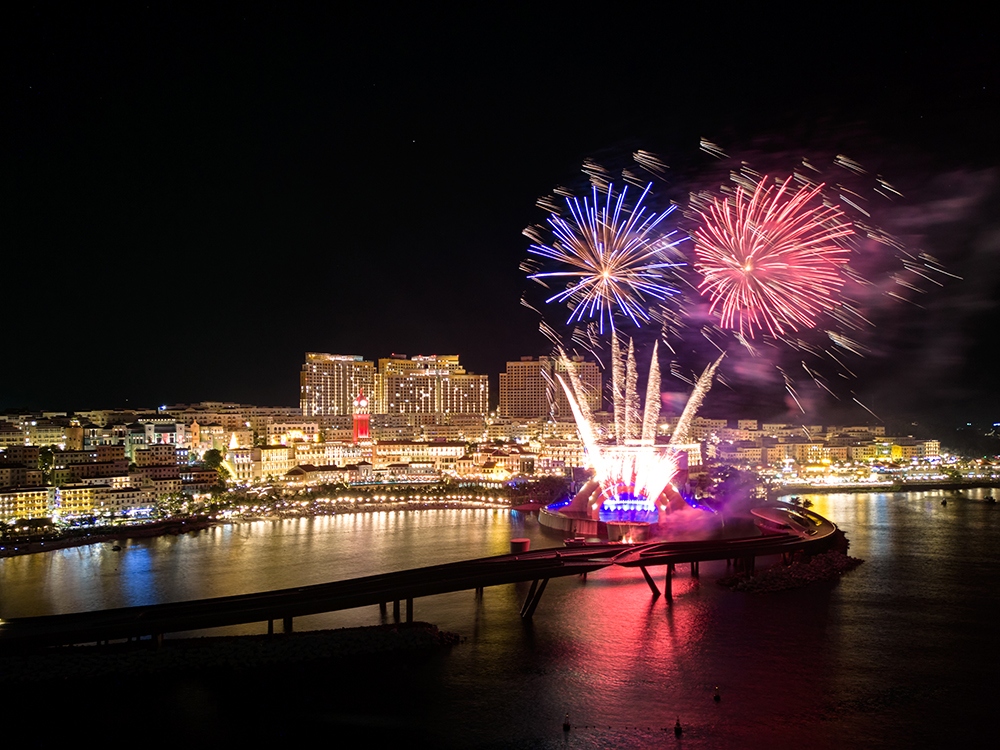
(617, 606)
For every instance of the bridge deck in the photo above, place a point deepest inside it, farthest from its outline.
(131, 622)
(537, 565)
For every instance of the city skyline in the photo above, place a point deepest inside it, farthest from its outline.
(215, 195)
(533, 393)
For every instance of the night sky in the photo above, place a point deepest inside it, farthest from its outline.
(192, 200)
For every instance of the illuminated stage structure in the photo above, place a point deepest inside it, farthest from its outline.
(637, 484)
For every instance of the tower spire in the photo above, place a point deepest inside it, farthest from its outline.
(361, 418)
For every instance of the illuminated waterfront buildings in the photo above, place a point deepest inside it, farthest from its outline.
(18, 503)
(328, 383)
(409, 419)
(441, 455)
(297, 431)
(528, 388)
(434, 384)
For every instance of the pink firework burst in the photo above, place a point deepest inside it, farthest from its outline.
(771, 261)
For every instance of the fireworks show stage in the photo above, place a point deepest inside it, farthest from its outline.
(579, 525)
(690, 526)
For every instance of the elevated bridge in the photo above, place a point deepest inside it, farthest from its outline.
(792, 530)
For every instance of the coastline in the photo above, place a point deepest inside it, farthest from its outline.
(182, 525)
(774, 493)
(105, 534)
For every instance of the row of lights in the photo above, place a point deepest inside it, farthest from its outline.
(410, 499)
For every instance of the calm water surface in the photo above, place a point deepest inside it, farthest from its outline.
(901, 652)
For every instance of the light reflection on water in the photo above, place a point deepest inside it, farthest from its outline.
(892, 655)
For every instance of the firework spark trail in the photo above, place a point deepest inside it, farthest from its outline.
(615, 256)
(845, 370)
(682, 431)
(778, 267)
(817, 379)
(770, 262)
(790, 388)
(652, 413)
(578, 388)
(617, 386)
(866, 409)
(633, 414)
(650, 162)
(630, 477)
(584, 425)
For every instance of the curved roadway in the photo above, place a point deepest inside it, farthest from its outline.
(804, 529)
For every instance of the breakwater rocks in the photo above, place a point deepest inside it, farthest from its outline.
(228, 655)
(827, 566)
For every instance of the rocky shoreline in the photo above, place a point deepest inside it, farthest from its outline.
(228, 655)
(827, 566)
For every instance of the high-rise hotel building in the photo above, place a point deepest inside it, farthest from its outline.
(529, 389)
(435, 384)
(329, 383)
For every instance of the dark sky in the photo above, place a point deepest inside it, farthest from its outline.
(192, 200)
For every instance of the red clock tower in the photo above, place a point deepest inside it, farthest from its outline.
(361, 419)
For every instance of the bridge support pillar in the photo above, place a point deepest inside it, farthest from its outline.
(270, 627)
(395, 611)
(409, 609)
(529, 597)
(382, 608)
(650, 582)
(479, 592)
(286, 624)
(532, 602)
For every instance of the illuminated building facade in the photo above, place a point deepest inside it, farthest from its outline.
(435, 384)
(328, 383)
(45, 432)
(10, 435)
(18, 503)
(287, 432)
(528, 389)
(442, 456)
(274, 460)
(328, 454)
